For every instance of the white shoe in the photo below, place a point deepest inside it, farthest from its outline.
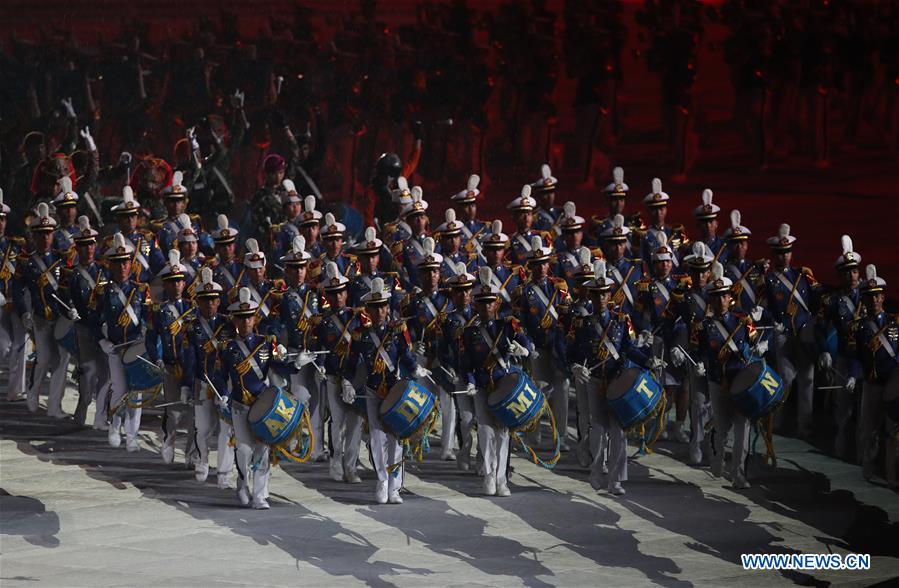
(462, 463)
(31, 403)
(448, 456)
(261, 504)
(224, 481)
(101, 426)
(243, 495)
(564, 447)
(115, 439)
(681, 435)
(503, 490)
(381, 492)
(131, 445)
(201, 472)
(395, 497)
(351, 477)
(695, 456)
(168, 451)
(490, 485)
(740, 482)
(336, 470)
(56, 414)
(616, 489)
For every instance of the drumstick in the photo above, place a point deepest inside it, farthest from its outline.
(164, 404)
(126, 343)
(459, 392)
(212, 386)
(148, 362)
(61, 303)
(687, 355)
(830, 387)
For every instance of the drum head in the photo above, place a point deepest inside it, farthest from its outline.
(503, 388)
(747, 376)
(264, 403)
(130, 355)
(623, 383)
(62, 327)
(393, 396)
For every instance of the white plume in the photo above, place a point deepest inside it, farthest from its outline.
(402, 184)
(656, 186)
(545, 171)
(783, 230)
(870, 272)
(536, 242)
(288, 185)
(243, 296)
(717, 271)
(450, 216)
(84, 223)
(298, 244)
(417, 193)
(331, 270)
(43, 211)
(184, 221)
(329, 219)
(428, 246)
(460, 268)
(497, 227)
(377, 285)
(473, 181)
(618, 175)
(174, 257)
(127, 193)
(369, 234)
(222, 222)
(735, 219)
(205, 275)
(252, 245)
(118, 240)
(618, 221)
(65, 184)
(177, 178)
(846, 243)
(526, 191)
(706, 197)
(569, 209)
(583, 256)
(309, 203)
(484, 275)
(599, 268)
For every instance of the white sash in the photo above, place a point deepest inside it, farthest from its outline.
(546, 304)
(622, 284)
(206, 328)
(699, 302)
(419, 248)
(884, 342)
(747, 287)
(228, 276)
(126, 307)
(140, 256)
(494, 280)
(87, 277)
(523, 242)
(260, 300)
(786, 282)
(493, 346)
(252, 360)
(429, 305)
(664, 290)
(730, 340)
(340, 327)
(605, 340)
(51, 279)
(849, 304)
(382, 353)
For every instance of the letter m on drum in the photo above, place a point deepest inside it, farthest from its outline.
(523, 400)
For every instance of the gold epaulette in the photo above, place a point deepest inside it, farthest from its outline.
(156, 225)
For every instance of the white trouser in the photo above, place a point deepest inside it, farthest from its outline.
(795, 364)
(206, 416)
(726, 416)
(599, 422)
(346, 428)
(119, 388)
(252, 455)
(385, 448)
(700, 408)
(869, 422)
(607, 425)
(305, 389)
(176, 415)
(843, 405)
(447, 408)
(544, 370)
(584, 431)
(13, 339)
(493, 439)
(465, 409)
(50, 356)
(94, 378)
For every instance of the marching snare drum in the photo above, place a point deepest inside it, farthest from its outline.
(141, 375)
(756, 390)
(516, 401)
(274, 416)
(406, 408)
(64, 333)
(633, 396)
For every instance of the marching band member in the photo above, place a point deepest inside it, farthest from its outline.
(65, 205)
(332, 235)
(692, 308)
(706, 216)
(397, 231)
(266, 293)
(473, 230)
(166, 327)
(191, 258)
(283, 233)
(748, 276)
(227, 270)
(83, 280)
(625, 272)
(384, 350)
(248, 361)
(522, 209)
(656, 203)
(415, 216)
(12, 333)
(123, 305)
(605, 335)
(299, 305)
(569, 247)
(368, 253)
(792, 297)
(876, 341)
(489, 344)
(426, 310)
(839, 310)
(656, 299)
(38, 306)
(449, 354)
(175, 198)
(148, 259)
(546, 216)
(333, 332)
(309, 224)
(450, 247)
(207, 333)
(726, 339)
(540, 302)
(506, 279)
(616, 195)
(580, 307)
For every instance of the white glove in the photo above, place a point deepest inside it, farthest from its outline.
(534, 355)
(125, 158)
(237, 99)
(222, 400)
(67, 104)
(192, 137)
(677, 357)
(756, 313)
(761, 348)
(657, 363)
(281, 352)
(185, 393)
(581, 373)
(471, 390)
(644, 338)
(320, 376)
(72, 313)
(2, 299)
(825, 360)
(107, 346)
(700, 369)
(27, 321)
(850, 384)
(421, 372)
(303, 359)
(160, 365)
(420, 348)
(88, 139)
(779, 328)
(451, 374)
(516, 349)
(348, 395)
